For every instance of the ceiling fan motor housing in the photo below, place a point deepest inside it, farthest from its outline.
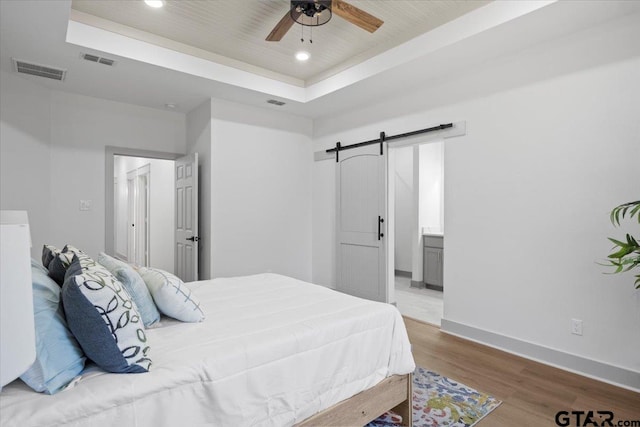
(311, 13)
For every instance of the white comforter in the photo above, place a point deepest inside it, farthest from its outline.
(272, 351)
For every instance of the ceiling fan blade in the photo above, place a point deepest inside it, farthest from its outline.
(355, 15)
(282, 27)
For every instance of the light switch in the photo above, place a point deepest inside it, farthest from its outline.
(85, 205)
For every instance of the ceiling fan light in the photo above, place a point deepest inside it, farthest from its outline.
(302, 56)
(154, 3)
(310, 13)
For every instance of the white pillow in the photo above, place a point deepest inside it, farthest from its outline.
(172, 297)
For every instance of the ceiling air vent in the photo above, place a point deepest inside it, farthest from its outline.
(39, 70)
(89, 57)
(275, 102)
(98, 59)
(106, 61)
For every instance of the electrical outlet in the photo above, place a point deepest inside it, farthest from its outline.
(85, 205)
(576, 326)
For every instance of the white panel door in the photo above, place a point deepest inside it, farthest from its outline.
(361, 208)
(186, 235)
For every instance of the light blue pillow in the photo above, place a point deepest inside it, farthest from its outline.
(59, 358)
(171, 295)
(36, 264)
(104, 319)
(134, 284)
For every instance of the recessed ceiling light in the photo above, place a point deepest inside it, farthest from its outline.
(302, 55)
(154, 3)
(170, 106)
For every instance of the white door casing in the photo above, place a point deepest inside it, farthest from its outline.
(361, 211)
(142, 215)
(131, 215)
(138, 215)
(186, 233)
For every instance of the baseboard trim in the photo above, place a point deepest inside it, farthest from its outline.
(621, 377)
(417, 284)
(402, 273)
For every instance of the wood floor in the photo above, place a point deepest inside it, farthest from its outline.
(532, 393)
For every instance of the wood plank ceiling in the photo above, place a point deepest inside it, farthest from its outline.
(236, 30)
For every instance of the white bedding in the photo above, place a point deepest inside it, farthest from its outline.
(272, 351)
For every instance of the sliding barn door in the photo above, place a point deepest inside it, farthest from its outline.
(360, 223)
(186, 235)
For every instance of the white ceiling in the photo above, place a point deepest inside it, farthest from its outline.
(234, 31)
(151, 75)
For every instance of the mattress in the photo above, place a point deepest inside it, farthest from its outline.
(272, 351)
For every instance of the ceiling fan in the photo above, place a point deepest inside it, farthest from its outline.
(318, 12)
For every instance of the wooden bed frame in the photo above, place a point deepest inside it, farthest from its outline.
(393, 393)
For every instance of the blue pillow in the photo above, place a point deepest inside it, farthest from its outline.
(104, 319)
(59, 358)
(49, 252)
(62, 260)
(134, 284)
(171, 295)
(36, 264)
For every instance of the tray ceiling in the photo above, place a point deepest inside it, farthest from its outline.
(232, 32)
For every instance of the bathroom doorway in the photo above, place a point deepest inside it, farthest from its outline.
(416, 173)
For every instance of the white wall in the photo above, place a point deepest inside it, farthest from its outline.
(403, 208)
(81, 127)
(53, 152)
(161, 208)
(199, 141)
(261, 200)
(25, 182)
(549, 133)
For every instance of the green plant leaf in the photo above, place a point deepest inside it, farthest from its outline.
(635, 211)
(625, 255)
(616, 242)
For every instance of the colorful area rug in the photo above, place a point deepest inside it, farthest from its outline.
(439, 401)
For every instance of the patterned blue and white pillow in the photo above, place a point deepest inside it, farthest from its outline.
(171, 295)
(134, 284)
(104, 319)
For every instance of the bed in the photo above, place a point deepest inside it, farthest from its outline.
(272, 351)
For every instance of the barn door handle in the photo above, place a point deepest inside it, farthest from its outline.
(380, 221)
(193, 238)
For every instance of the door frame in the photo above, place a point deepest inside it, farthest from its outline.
(131, 216)
(138, 201)
(110, 152)
(417, 251)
